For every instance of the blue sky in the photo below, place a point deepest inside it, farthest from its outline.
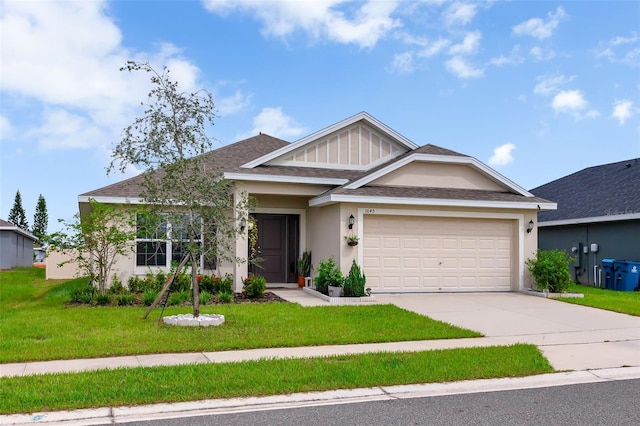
(537, 90)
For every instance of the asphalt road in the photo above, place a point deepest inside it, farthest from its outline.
(603, 403)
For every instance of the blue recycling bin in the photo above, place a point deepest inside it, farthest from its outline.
(627, 275)
(607, 267)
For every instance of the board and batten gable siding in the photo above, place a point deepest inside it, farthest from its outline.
(357, 147)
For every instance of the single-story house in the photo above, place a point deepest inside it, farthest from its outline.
(598, 216)
(16, 246)
(428, 219)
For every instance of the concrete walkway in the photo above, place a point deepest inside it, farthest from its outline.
(572, 337)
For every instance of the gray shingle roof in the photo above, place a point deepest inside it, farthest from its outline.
(597, 191)
(438, 193)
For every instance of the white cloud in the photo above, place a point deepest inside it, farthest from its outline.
(402, 63)
(539, 28)
(614, 50)
(233, 104)
(572, 102)
(63, 58)
(513, 58)
(370, 22)
(6, 128)
(432, 49)
(459, 13)
(63, 129)
(468, 46)
(541, 55)
(502, 155)
(569, 100)
(274, 122)
(548, 84)
(622, 111)
(462, 69)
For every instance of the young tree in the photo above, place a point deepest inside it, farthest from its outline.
(96, 240)
(17, 215)
(40, 219)
(168, 143)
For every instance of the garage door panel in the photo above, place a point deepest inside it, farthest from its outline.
(436, 254)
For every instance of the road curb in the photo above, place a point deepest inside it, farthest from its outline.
(276, 402)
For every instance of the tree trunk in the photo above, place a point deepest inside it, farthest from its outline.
(196, 287)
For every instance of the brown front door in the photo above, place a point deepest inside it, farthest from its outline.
(277, 247)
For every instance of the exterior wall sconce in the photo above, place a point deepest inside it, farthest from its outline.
(243, 225)
(530, 227)
(351, 220)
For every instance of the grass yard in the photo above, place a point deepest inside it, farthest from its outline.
(266, 377)
(36, 325)
(626, 302)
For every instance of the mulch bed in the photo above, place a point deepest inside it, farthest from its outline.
(267, 297)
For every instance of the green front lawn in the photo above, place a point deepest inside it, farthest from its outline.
(626, 302)
(266, 377)
(35, 324)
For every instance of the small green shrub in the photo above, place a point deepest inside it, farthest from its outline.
(550, 269)
(354, 283)
(149, 296)
(178, 298)
(206, 283)
(224, 284)
(182, 282)
(103, 299)
(254, 286)
(116, 286)
(205, 297)
(125, 299)
(328, 275)
(225, 297)
(83, 294)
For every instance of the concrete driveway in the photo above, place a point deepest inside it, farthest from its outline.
(572, 337)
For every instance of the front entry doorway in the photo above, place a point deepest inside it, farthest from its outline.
(277, 247)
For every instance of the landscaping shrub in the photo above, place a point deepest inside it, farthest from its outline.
(225, 297)
(224, 285)
(178, 298)
(83, 294)
(149, 296)
(125, 299)
(550, 269)
(103, 299)
(354, 282)
(206, 284)
(328, 275)
(205, 297)
(182, 282)
(116, 286)
(254, 286)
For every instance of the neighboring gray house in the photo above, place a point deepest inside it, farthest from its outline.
(598, 205)
(16, 246)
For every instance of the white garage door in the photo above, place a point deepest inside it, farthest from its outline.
(410, 253)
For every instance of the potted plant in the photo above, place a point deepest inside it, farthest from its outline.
(329, 280)
(304, 267)
(352, 240)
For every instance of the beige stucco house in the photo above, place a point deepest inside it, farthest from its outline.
(428, 219)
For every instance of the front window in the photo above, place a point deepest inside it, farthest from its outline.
(162, 239)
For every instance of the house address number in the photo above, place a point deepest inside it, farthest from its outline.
(369, 211)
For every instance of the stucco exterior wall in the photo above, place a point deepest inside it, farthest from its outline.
(434, 175)
(324, 234)
(64, 272)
